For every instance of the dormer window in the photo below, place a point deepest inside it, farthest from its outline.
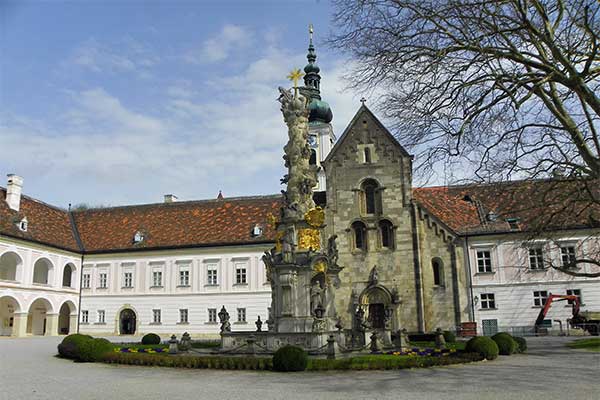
(138, 237)
(513, 223)
(257, 231)
(23, 225)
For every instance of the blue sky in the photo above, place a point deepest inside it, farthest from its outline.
(111, 103)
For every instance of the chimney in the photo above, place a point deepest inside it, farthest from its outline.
(13, 191)
(170, 198)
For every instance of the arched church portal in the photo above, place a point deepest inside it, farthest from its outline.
(376, 302)
(127, 322)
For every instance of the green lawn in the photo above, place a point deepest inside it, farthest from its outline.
(592, 344)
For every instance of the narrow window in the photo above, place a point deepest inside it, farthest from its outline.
(212, 315)
(567, 254)
(156, 316)
(386, 230)
(313, 157)
(536, 258)
(540, 297)
(103, 280)
(484, 261)
(157, 278)
(367, 155)
(360, 236)
(101, 316)
(85, 316)
(211, 275)
(128, 279)
(241, 312)
(240, 274)
(86, 281)
(184, 277)
(371, 197)
(438, 272)
(488, 301)
(183, 316)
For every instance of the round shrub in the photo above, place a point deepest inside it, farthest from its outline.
(506, 343)
(69, 347)
(151, 338)
(93, 350)
(522, 344)
(483, 345)
(449, 337)
(290, 358)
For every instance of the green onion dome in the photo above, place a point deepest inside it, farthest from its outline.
(319, 111)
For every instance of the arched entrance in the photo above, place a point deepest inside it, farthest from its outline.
(8, 307)
(375, 302)
(127, 322)
(67, 318)
(37, 317)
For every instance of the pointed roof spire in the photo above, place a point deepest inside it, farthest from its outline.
(319, 109)
(220, 196)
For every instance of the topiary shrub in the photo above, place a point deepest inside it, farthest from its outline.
(93, 350)
(521, 343)
(484, 346)
(290, 358)
(69, 347)
(151, 338)
(506, 343)
(449, 337)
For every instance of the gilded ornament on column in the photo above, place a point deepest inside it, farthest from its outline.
(309, 238)
(315, 217)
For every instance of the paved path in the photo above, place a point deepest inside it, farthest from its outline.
(29, 371)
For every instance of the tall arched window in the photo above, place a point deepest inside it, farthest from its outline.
(313, 157)
(68, 275)
(367, 155)
(359, 233)
(386, 234)
(42, 271)
(438, 272)
(371, 197)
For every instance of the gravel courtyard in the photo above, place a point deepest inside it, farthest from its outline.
(29, 370)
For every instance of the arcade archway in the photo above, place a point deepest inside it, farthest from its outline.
(37, 318)
(67, 318)
(8, 307)
(127, 322)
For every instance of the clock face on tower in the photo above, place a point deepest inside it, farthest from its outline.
(312, 141)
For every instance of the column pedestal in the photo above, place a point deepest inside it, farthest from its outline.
(51, 325)
(19, 328)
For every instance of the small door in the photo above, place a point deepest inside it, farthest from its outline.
(127, 322)
(377, 315)
(490, 327)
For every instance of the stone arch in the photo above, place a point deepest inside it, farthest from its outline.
(359, 240)
(69, 276)
(370, 196)
(37, 317)
(42, 271)
(376, 301)
(9, 306)
(386, 234)
(11, 266)
(67, 318)
(127, 320)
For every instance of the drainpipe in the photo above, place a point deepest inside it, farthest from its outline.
(472, 308)
(80, 285)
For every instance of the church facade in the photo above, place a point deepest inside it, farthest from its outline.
(411, 257)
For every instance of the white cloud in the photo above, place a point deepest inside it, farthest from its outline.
(219, 47)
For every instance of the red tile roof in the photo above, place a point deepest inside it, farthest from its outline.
(46, 224)
(227, 221)
(533, 205)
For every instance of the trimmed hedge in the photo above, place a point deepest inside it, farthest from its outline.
(151, 338)
(506, 343)
(84, 348)
(449, 337)
(521, 344)
(377, 362)
(484, 346)
(290, 358)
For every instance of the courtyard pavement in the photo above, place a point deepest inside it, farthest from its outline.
(29, 370)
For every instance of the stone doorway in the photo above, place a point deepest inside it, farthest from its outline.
(127, 322)
(377, 315)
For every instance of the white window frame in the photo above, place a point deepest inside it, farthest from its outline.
(127, 279)
(103, 280)
(540, 297)
(536, 260)
(184, 312)
(101, 316)
(157, 273)
(212, 275)
(156, 316)
(568, 253)
(487, 301)
(241, 273)
(486, 260)
(184, 276)
(85, 317)
(212, 315)
(241, 315)
(86, 280)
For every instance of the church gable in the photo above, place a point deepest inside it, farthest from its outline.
(366, 141)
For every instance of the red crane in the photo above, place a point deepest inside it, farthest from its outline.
(576, 321)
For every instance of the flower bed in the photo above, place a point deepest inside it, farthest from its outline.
(416, 351)
(140, 349)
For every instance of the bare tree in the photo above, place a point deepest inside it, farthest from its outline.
(506, 89)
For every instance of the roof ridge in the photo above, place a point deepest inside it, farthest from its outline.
(509, 182)
(57, 208)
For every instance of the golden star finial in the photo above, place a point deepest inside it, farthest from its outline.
(295, 76)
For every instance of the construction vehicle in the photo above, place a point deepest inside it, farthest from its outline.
(586, 321)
